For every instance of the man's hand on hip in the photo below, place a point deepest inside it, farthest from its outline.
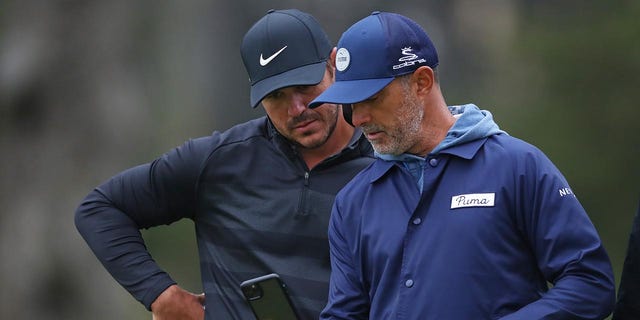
(177, 303)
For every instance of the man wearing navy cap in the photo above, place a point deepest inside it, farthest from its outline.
(455, 219)
(260, 193)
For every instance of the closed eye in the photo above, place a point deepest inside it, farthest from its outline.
(373, 98)
(274, 95)
(303, 89)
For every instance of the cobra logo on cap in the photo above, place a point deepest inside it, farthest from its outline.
(343, 58)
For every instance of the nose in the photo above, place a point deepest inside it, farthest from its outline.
(297, 104)
(360, 114)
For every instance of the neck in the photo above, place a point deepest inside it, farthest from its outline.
(437, 122)
(335, 143)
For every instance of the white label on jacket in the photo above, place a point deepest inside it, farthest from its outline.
(473, 200)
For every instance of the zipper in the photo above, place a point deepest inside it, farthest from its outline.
(303, 196)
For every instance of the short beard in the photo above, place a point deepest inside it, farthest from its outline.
(332, 121)
(405, 133)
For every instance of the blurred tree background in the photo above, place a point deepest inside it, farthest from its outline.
(90, 88)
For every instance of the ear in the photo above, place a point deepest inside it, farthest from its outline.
(332, 63)
(332, 57)
(424, 78)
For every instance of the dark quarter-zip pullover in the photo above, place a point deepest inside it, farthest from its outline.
(256, 206)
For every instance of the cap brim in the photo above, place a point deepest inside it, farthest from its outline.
(348, 92)
(307, 75)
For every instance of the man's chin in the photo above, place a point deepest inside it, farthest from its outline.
(311, 141)
(381, 149)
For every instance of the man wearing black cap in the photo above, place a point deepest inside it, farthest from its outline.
(455, 219)
(259, 193)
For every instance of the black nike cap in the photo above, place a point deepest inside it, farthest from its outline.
(284, 48)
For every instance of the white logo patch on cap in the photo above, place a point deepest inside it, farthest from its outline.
(343, 58)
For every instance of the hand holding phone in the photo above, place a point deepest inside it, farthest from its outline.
(267, 295)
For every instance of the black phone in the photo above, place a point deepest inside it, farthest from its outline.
(267, 295)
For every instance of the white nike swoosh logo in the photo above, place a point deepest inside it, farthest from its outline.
(264, 62)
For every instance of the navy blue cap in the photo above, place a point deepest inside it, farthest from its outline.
(284, 48)
(372, 52)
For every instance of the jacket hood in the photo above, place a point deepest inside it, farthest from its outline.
(472, 124)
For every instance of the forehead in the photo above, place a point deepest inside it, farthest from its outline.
(286, 93)
(393, 87)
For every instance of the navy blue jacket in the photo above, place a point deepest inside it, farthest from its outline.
(496, 223)
(257, 209)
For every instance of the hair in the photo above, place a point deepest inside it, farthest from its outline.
(330, 67)
(404, 79)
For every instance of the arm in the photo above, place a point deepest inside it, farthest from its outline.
(110, 217)
(628, 305)
(567, 248)
(347, 297)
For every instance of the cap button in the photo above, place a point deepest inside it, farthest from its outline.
(271, 10)
(375, 12)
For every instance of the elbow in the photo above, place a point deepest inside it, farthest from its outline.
(87, 209)
(607, 299)
(610, 303)
(80, 218)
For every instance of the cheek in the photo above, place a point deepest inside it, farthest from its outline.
(384, 117)
(328, 112)
(311, 94)
(278, 116)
